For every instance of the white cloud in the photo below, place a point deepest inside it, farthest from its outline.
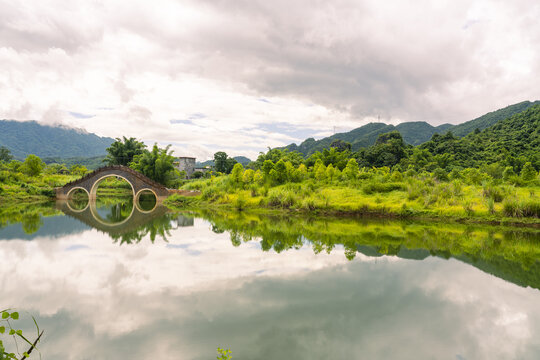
(319, 65)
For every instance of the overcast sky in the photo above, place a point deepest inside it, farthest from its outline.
(246, 74)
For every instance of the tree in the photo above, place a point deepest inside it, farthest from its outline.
(528, 173)
(351, 170)
(508, 173)
(78, 170)
(388, 150)
(340, 145)
(157, 165)
(237, 173)
(220, 161)
(249, 174)
(280, 175)
(122, 152)
(267, 166)
(223, 163)
(5, 154)
(33, 165)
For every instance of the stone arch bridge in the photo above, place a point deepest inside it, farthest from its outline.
(89, 183)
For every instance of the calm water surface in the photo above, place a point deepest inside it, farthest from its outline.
(167, 285)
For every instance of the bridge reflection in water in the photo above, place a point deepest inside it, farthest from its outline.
(125, 220)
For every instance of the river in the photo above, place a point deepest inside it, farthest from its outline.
(115, 281)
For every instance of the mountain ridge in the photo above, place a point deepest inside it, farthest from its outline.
(413, 133)
(30, 137)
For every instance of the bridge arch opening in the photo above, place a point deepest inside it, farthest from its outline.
(109, 183)
(112, 199)
(78, 199)
(146, 200)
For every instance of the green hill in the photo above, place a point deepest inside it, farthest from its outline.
(29, 137)
(512, 141)
(489, 119)
(414, 133)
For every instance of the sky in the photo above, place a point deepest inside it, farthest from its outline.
(240, 76)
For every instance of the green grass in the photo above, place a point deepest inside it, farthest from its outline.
(376, 195)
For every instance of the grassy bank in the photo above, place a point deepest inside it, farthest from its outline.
(375, 192)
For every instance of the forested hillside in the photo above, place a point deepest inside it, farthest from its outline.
(510, 142)
(489, 119)
(29, 137)
(413, 133)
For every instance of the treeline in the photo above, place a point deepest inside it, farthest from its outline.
(491, 173)
(509, 148)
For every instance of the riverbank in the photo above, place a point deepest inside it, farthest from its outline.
(413, 199)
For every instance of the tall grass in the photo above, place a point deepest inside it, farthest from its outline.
(522, 208)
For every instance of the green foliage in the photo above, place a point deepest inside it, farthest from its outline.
(5, 154)
(522, 208)
(508, 173)
(179, 201)
(274, 155)
(490, 119)
(528, 173)
(7, 328)
(224, 354)
(376, 187)
(33, 165)
(223, 163)
(388, 150)
(157, 165)
(237, 174)
(78, 170)
(351, 170)
(90, 163)
(123, 151)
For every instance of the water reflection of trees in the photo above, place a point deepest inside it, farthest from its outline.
(158, 227)
(30, 217)
(509, 253)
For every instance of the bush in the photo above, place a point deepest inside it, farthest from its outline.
(440, 175)
(524, 208)
(181, 201)
(493, 192)
(280, 198)
(210, 193)
(240, 203)
(383, 187)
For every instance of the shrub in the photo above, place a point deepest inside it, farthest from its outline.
(468, 207)
(181, 201)
(491, 205)
(240, 203)
(524, 208)
(309, 204)
(528, 173)
(371, 188)
(209, 193)
(493, 192)
(440, 175)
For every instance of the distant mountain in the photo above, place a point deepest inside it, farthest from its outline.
(29, 137)
(241, 159)
(414, 133)
(489, 119)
